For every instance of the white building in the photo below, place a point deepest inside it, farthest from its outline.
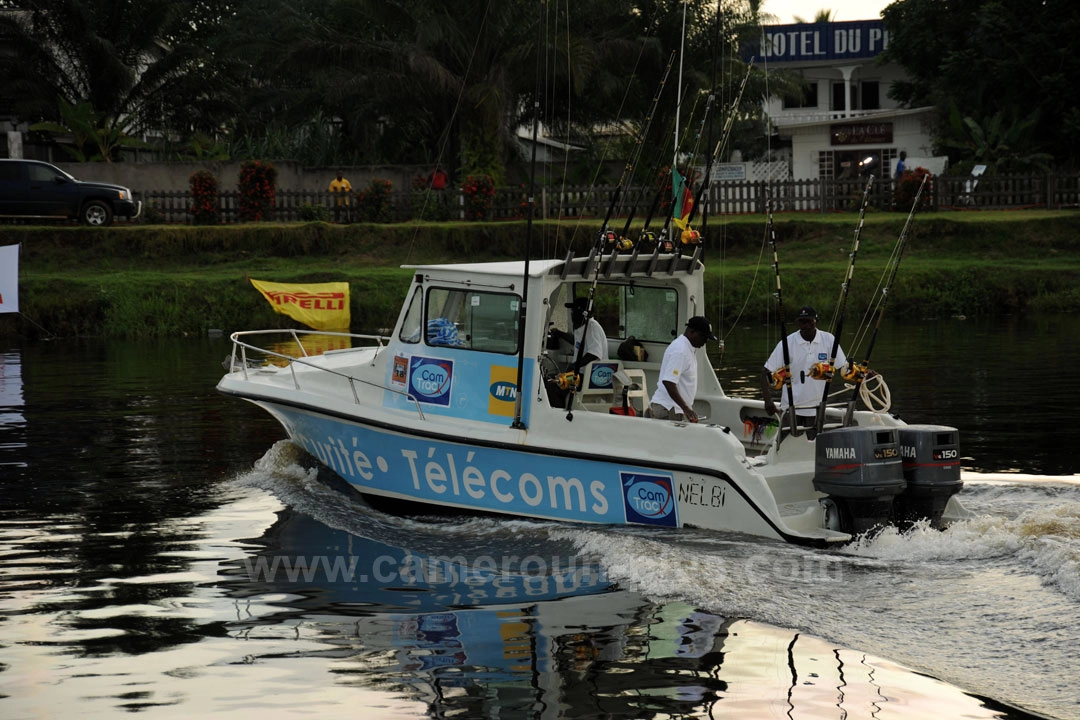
(845, 125)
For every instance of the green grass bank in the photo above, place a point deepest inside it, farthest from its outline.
(156, 281)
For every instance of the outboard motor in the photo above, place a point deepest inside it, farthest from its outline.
(931, 461)
(859, 469)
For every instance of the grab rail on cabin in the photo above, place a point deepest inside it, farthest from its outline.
(244, 363)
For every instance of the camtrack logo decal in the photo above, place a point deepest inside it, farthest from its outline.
(649, 499)
(431, 379)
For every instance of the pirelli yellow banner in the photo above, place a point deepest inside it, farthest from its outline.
(322, 306)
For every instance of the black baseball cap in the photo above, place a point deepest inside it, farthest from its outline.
(702, 326)
(807, 312)
(579, 304)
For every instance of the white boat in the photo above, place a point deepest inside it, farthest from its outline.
(435, 416)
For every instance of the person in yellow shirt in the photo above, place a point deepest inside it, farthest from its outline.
(342, 190)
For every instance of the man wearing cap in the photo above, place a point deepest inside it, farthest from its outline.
(595, 338)
(806, 347)
(677, 386)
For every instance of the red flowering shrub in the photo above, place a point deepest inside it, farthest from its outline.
(908, 185)
(522, 210)
(479, 194)
(257, 189)
(204, 198)
(373, 203)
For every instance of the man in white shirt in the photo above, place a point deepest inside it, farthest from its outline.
(807, 347)
(677, 386)
(595, 338)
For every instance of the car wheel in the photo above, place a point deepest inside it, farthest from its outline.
(97, 213)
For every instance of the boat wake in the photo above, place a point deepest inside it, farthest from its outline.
(313, 491)
(987, 604)
(1044, 541)
(1032, 522)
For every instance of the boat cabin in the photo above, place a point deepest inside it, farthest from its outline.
(464, 321)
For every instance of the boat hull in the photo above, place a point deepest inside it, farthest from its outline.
(515, 479)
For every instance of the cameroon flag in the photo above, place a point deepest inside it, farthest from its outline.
(683, 199)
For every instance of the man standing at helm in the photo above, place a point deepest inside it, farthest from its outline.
(807, 347)
(677, 386)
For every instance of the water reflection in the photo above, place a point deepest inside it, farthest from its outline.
(12, 422)
(525, 636)
(125, 549)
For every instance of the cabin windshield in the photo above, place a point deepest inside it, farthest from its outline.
(650, 314)
(410, 326)
(472, 320)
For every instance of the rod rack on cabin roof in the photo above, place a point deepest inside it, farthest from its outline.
(616, 265)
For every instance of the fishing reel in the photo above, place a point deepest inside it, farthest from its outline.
(609, 240)
(666, 245)
(854, 372)
(690, 237)
(569, 380)
(623, 244)
(780, 378)
(647, 240)
(822, 371)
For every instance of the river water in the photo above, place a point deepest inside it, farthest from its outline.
(164, 551)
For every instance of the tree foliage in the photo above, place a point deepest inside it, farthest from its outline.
(85, 135)
(985, 65)
(136, 64)
(371, 81)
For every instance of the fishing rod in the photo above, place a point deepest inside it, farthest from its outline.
(663, 241)
(645, 236)
(856, 372)
(782, 377)
(688, 180)
(687, 236)
(571, 381)
(523, 306)
(725, 135)
(709, 131)
(607, 236)
(824, 371)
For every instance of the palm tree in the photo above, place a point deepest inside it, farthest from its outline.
(426, 81)
(822, 16)
(133, 64)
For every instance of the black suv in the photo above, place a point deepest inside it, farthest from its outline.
(33, 189)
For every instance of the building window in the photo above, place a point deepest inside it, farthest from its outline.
(825, 164)
(889, 156)
(869, 95)
(807, 98)
(838, 102)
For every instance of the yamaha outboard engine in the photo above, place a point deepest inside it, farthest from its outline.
(859, 469)
(931, 461)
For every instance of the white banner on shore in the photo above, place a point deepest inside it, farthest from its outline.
(9, 278)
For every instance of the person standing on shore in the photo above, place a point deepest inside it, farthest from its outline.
(342, 189)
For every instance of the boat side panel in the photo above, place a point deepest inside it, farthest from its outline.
(457, 383)
(502, 480)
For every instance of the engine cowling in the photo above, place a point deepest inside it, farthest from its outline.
(930, 456)
(859, 468)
